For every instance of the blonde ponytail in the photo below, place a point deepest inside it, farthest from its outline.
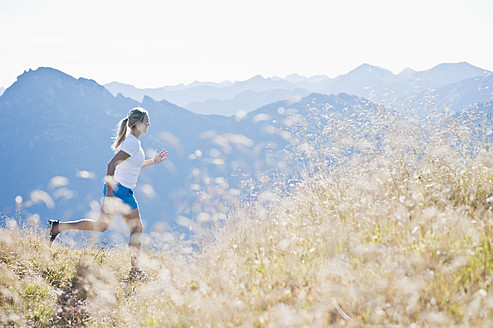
(122, 133)
(134, 116)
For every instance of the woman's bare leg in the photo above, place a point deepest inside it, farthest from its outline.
(106, 215)
(135, 226)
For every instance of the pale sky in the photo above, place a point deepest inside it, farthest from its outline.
(155, 43)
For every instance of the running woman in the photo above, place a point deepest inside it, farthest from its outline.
(121, 178)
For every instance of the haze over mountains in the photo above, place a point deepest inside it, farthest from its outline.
(378, 84)
(55, 146)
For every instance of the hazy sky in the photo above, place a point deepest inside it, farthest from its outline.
(155, 43)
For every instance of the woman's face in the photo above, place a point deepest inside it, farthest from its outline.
(142, 126)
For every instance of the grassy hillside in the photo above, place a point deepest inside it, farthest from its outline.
(390, 224)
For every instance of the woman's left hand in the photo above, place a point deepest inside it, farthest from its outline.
(159, 157)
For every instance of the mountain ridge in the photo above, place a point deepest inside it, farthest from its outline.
(364, 81)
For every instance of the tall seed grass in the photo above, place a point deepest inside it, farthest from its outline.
(389, 224)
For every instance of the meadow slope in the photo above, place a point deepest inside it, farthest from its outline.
(389, 224)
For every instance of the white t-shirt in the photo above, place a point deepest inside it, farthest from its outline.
(127, 172)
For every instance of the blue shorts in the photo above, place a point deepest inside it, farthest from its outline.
(125, 194)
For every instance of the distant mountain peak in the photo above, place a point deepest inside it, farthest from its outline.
(43, 72)
(295, 75)
(257, 77)
(408, 71)
(296, 78)
(369, 68)
(460, 67)
(39, 79)
(50, 81)
(51, 74)
(147, 100)
(366, 72)
(364, 66)
(459, 64)
(115, 83)
(447, 73)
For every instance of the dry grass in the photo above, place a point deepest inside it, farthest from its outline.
(396, 232)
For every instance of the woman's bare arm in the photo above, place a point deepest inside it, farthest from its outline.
(156, 159)
(110, 170)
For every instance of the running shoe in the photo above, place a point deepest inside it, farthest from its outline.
(138, 274)
(53, 226)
